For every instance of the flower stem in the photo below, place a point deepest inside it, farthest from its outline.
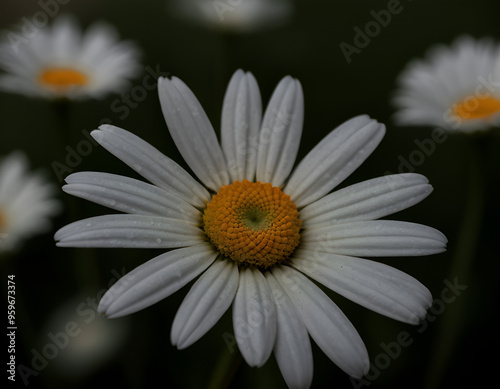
(84, 262)
(225, 370)
(452, 321)
(61, 108)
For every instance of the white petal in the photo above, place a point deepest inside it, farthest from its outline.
(192, 132)
(26, 201)
(325, 322)
(97, 42)
(155, 280)
(132, 231)
(16, 84)
(13, 166)
(241, 117)
(292, 348)
(367, 200)
(20, 62)
(30, 202)
(334, 159)
(254, 317)
(129, 195)
(206, 302)
(380, 238)
(151, 164)
(376, 286)
(66, 38)
(279, 137)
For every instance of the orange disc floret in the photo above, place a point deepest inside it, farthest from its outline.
(475, 108)
(62, 78)
(253, 223)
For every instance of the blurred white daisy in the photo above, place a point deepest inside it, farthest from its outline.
(255, 230)
(26, 201)
(236, 15)
(87, 343)
(455, 87)
(61, 62)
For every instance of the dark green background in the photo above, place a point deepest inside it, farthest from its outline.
(308, 49)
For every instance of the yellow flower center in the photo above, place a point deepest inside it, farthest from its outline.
(477, 108)
(62, 79)
(253, 223)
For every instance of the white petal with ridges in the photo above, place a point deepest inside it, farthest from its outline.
(129, 195)
(334, 159)
(240, 123)
(131, 231)
(292, 348)
(151, 164)
(254, 317)
(155, 280)
(368, 200)
(378, 238)
(206, 302)
(280, 133)
(192, 132)
(325, 322)
(375, 286)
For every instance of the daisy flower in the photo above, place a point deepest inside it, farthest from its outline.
(238, 16)
(61, 62)
(26, 201)
(91, 344)
(257, 230)
(456, 87)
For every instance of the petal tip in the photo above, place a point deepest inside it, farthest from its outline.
(98, 134)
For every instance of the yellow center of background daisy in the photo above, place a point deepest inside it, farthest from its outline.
(477, 108)
(253, 223)
(62, 78)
